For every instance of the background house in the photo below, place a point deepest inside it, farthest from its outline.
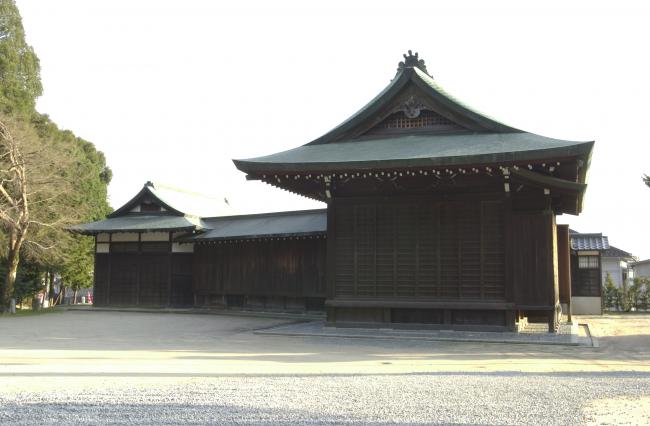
(641, 269)
(592, 258)
(617, 263)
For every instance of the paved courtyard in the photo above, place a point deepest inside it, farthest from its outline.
(149, 368)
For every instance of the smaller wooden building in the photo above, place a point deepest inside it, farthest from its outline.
(168, 247)
(137, 258)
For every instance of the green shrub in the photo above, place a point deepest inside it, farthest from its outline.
(611, 296)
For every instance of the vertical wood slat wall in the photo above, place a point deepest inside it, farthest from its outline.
(145, 273)
(534, 254)
(425, 248)
(287, 268)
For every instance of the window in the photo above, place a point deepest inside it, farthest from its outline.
(588, 262)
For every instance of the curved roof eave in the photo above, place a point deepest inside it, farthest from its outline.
(331, 158)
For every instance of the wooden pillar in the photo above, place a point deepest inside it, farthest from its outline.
(108, 273)
(330, 258)
(138, 270)
(169, 270)
(564, 266)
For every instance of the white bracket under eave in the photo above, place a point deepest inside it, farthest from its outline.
(506, 177)
(547, 191)
(328, 183)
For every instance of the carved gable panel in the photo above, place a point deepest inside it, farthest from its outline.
(411, 112)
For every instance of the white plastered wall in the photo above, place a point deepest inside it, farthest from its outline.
(615, 267)
(586, 305)
(642, 270)
(155, 236)
(182, 248)
(103, 247)
(124, 237)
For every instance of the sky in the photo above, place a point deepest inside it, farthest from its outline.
(171, 91)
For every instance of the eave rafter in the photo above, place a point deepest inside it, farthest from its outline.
(316, 185)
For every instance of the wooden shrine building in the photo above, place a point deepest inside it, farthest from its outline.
(437, 214)
(167, 247)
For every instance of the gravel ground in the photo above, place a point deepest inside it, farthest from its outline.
(126, 368)
(493, 398)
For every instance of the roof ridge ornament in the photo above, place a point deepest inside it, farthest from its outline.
(412, 61)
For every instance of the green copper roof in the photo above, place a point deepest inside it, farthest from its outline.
(177, 201)
(140, 223)
(418, 151)
(477, 139)
(445, 104)
(266, 225)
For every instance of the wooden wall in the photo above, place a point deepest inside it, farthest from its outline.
(283, 274)
(535, 260)
(419, 248)
(535, 266)
(472, 260)
(586, 282)
(144, 274)
(564, 265)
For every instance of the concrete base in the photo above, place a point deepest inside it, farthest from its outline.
(532, 334)
(586, 305)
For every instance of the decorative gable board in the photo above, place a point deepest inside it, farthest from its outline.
(410, 111)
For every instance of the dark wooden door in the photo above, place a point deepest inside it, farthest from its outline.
(181, 284)
(154, 279)
(100, 289)
(124, 279)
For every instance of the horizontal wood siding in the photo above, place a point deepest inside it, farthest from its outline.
(415, 248)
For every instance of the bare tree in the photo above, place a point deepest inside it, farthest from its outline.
(14, 206)
(34, 197)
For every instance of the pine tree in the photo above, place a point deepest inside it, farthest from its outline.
(20, 80)
(610, 293)
(50, 178)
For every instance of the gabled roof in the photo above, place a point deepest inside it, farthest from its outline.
(592, 241)
(475, 140)
(617, 252)
(176, 201)
(300, 223)
(182, 212)
(140, 223)
(412, 71)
